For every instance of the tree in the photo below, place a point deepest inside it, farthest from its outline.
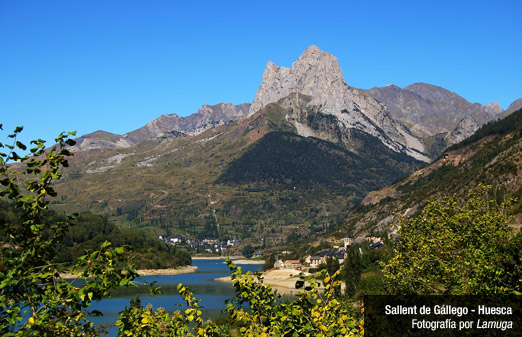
(312, 314)
(269, 262)
(352, 269)
(248, 251)
(332, 265)
(34, 299)
(456, 246)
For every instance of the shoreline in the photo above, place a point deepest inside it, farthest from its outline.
(282, 280)
(168, 271)
(235, 259)
(148, 272)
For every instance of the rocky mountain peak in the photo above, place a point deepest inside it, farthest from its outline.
(206, 117)
(315, 60)
(430, 110)
(315, 71)
(317, 74)
(313, 49)
(493, 108)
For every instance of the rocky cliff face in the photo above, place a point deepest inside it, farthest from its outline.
(318, 75)
(463, 130)
(212, 115)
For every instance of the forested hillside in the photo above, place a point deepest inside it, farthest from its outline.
(89, 231)
(311, 163)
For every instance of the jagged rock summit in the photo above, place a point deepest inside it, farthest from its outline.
(317, 74)
(466, 127)
(314, 72)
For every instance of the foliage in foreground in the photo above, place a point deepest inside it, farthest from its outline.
(456, 246)
(34, 299)
(312, 314)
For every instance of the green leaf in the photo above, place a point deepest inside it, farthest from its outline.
(27, 198)
(105, 245)
(21, 146)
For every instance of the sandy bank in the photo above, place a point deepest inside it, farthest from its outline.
(235, 259)
(248, 261)
(149, 272)
(283, 280)
(216, 257)
(170, 271)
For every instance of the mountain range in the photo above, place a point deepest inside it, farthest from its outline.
(420, 119)
(305, 152)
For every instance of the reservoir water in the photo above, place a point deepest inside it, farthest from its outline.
(212, 293)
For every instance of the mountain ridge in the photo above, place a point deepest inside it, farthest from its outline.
(437, 116)
(167, 125)
(491, 156)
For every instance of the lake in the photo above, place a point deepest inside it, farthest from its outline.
(212, 293)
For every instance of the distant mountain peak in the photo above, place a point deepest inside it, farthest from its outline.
(312, 49)
(206, 117)
(168, 125)
(494, 108)
(315, 56)
(431, 92)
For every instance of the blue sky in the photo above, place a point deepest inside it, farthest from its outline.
(116, 65)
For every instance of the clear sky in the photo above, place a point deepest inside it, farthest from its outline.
(117, 65)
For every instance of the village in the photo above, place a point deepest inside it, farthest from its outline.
(211, 247)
